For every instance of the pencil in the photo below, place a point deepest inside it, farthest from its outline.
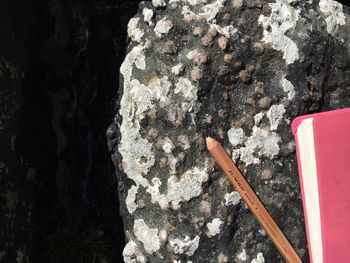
(252, 200)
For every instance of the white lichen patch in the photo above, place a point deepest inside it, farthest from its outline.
(134, 32)
(158, 3)
(156, 196)
(236, 136)
(167, 145)
(242, 255)
(138, 98)
(288, 88)
(258, 118)
(214, 227)
(131, 253)
(283, 18)
(178, 69)
(259, 258)
(210, 11)
(188, 91)
(227, 31)
(188, 187)
(135, 57)
(148, 236)
(147, 15)
(185, 246)
(275, 115)
(131, 199)
(262, 143)
(163, 27)
(333, 11)
(232, 198)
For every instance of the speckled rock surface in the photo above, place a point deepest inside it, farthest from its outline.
(239, 71)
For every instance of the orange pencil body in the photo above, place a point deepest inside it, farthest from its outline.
(253, 202)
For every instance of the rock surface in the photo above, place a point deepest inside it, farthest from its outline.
(239, 71)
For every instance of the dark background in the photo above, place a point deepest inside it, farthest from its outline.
(59, 63)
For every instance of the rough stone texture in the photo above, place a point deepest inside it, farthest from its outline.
(277, 60)
(290, 56)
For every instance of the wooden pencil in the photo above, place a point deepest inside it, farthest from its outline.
(252, 200)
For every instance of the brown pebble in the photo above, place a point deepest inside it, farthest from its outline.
(237, 4)
(228, 58)
(212, 32)
(227, 17)
(197, 31)
(259, 88)
(152, 133)
(258, 48)
(223, 71)
(200, 141)
(258, 4)
(208, 119)
(169, 47)
(264, 103)
(205, 207)
(221, 113)
(237, 65)
(207, 41)
(200, 58)
(245, 76)
(251, 69)
(196, 74)
(163, 162)
(266, 174)
(251, 102)
(223, 42)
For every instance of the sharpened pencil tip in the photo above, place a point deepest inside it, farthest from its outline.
(210, 141)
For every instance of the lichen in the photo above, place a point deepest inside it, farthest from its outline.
(163, 27)
(283, 18)
(158, 3)
(134, 32)
(210, 11)
(131, 253)
(188, 187)
(232, 198)
(236, 136)
(147, 15)
(148, 236)
(259, 258)
(260, 143)
(185, 246)
(227, 31)
(242, 255)
(214, 227)
(333, 12)
(275, 115)
(131, 199)
(288, 88)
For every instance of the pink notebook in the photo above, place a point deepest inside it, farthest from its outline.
(323, 151)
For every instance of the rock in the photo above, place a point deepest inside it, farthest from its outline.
(269, 62)
(169, 47)
(264, 103)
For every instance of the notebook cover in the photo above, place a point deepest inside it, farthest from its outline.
(332, 149)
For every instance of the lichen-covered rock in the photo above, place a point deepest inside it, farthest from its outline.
(238, 71)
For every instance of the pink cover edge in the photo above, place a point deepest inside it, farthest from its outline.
(302, 187)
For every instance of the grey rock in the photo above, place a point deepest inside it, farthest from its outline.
(300, 53)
